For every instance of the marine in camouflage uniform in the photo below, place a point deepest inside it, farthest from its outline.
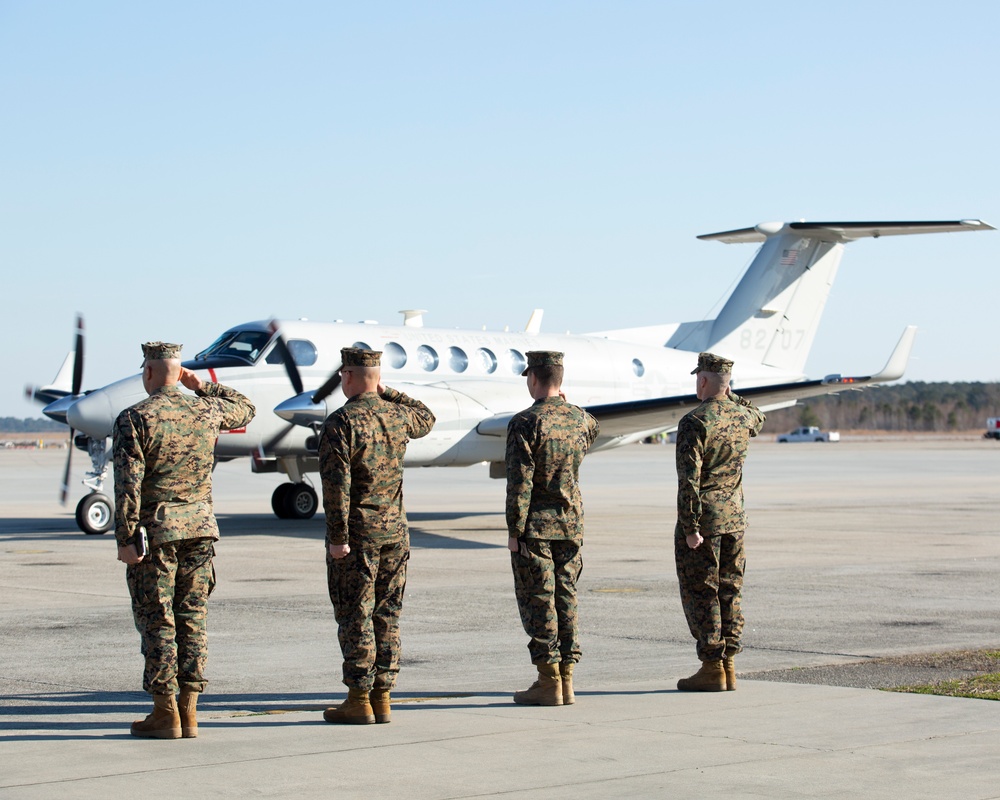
(712, 444)
(546, 444)
(163, 450)
(361, 453)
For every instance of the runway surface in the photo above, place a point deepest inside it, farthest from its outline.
(856, 550)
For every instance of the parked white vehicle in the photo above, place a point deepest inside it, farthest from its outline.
(992, 428)
(809, 433)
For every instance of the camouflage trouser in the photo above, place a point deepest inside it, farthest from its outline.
(170, 590)
(545, 588)
(366, 589)
(711, 578)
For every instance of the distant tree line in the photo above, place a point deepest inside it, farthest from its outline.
(38, 425)
(915, 406)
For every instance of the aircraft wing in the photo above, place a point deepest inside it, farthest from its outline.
(662, 413)
(624, 419)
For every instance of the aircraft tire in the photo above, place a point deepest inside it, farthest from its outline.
(301, 501)
(95, 514)
(279, 503)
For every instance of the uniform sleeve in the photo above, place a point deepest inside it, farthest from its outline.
(420, 417)
(335, 474)
(593, 428)
(756, 416)
(130, 469)
(237, 410)
(520, 460)
(690, 452)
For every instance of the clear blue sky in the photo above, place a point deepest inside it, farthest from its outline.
(172, 169)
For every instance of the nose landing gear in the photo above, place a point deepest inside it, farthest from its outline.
(294, 501)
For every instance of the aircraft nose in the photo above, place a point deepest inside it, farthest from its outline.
(95, 413)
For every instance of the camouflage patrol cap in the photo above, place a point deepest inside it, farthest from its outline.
(154, 351)
(356, 357)
(543, 358)
(709, 362)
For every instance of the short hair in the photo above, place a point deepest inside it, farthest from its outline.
(548, 375)
(718, 380)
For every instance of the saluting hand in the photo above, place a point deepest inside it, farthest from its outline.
(190, 380)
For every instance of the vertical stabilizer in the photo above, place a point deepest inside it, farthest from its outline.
(773, 314)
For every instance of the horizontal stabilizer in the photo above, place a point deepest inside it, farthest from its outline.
(844, 231)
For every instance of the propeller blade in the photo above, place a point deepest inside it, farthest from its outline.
(64, 490)
(265, 447)
(78, 357)
(286, 358)
(327, 388)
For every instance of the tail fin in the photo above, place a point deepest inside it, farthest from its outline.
(773, 314)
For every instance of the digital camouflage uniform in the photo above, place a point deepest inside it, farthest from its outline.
(546, 444)
(163, 456)
(712, 444)
(361, 453)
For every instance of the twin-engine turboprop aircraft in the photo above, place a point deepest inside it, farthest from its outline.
(636, 381)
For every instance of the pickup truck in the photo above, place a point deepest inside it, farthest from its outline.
(809, 433)
(992, 428)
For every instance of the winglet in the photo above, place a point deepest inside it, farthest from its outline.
(894, 367)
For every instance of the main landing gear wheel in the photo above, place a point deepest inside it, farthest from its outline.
(95, 514)
(294, 501)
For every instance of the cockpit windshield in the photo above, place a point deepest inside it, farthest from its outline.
(244, 345)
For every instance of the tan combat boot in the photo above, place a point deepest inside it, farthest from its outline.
(566, 673)
(379, 699)
(546, 691)
(163, 723)
(187, 705)
(710, 678)
(729, 665)
(355, 710)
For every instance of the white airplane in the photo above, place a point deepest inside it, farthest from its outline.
(636, 381)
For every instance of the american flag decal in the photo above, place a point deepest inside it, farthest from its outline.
(789, 257)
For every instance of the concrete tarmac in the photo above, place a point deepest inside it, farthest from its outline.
(856, 550)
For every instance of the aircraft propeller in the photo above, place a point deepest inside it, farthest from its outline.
(324, 391)
(286, 358)
(328, 388)
(77, 384)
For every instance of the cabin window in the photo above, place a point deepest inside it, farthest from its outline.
(517, 362)
(361, 346)
(395, 355)
(486, 360)
(427, 358)
(638, 368)
(457, 359)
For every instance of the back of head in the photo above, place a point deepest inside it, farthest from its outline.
(546, 366)
(549, 376)
(716, 372)
(162, 364)
(716, 382)
(365, 365)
